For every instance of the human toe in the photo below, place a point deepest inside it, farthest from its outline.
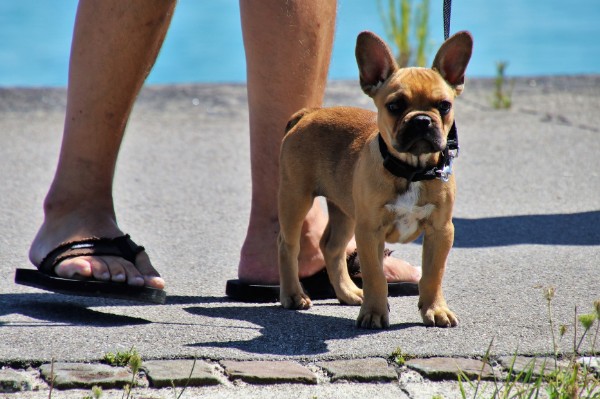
(151, 277)
(154, 282)
(398, 270)
(123, 271)
(80, 267)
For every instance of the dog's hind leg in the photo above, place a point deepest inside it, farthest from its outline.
(293, 207)
(333, 244)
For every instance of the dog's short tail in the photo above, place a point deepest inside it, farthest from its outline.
(296, 118)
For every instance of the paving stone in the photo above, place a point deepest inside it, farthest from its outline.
(523, 364)
(449, 368)
(360, 370)
(14, 381)
(82, 375)
(591, 362)
(166, 373)
(265, 372)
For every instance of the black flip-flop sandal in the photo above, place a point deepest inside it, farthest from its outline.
(316, 286)
(45, 278)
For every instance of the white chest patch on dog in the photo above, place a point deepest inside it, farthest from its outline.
(408, 214)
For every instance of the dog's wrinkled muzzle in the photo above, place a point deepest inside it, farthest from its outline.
(420, 135)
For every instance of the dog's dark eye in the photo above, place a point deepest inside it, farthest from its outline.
(395, 107)
(444, 107)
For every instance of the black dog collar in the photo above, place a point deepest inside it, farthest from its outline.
(441, 171)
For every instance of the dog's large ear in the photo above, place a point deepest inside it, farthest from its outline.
(375, 61)
(452, 59)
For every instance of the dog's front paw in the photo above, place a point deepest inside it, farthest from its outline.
(373, 319)
(297, 301)
(439, 316)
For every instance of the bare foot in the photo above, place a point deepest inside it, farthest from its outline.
(60, 228)
(258, 258)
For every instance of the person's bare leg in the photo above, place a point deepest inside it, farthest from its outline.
(115, 44)
(288, 48)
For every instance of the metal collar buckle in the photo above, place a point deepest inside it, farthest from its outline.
(451, 151)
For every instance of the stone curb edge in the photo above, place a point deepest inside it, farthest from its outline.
(199, 373)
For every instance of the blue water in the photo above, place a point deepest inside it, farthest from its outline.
(204, 44)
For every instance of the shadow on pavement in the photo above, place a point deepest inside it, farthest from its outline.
(286, 332)
(74, 310)
(51, 308)
(559, 229)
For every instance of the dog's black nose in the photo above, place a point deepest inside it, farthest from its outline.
(421, 122)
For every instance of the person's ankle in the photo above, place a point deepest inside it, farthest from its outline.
(59, 206)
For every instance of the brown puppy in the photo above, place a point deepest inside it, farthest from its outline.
(386, 176)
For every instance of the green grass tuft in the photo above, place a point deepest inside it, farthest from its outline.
(120, 359)
(503, 98)
(407, 27)
(573, 381)
(398, 357)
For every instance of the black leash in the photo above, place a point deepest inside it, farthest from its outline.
(447, 14)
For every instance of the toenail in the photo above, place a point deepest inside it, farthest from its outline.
(119, 277)
(137, 280)
(105, 276)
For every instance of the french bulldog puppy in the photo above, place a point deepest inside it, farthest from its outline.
(386, 176)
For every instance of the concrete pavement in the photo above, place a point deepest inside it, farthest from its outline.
(527, 217)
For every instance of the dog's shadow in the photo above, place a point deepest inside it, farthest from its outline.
(558, 229)
(285, 332)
